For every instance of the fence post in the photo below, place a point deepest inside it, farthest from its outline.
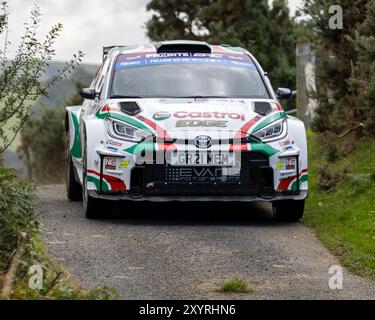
(306, 85)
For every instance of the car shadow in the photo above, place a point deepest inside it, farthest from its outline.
(194, 213)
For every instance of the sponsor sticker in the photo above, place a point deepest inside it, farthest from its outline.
(201, 123)
(112, 149)
(290, 163)
(114, 143)
(161, 115)
(124, 164)
(110, 163)
(149, 59)
(287, 144)
(279, 165)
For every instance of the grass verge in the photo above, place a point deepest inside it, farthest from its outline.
(344, 217)
(235, 286)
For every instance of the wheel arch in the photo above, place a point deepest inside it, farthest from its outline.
(72, 126)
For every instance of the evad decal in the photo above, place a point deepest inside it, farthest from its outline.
(109, 182)
(290, 183)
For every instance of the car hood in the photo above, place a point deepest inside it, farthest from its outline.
(216, 117)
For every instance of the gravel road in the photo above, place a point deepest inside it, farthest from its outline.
(184, 251)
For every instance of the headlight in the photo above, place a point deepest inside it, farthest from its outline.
(125, 131)
(273, 131)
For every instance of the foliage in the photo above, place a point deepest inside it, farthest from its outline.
(18, 221)
(362, 80)
(345, 67)
(21, 247)
(43, 143)
(343, 217)
(236, 286)
(20, 82)
(268, 32)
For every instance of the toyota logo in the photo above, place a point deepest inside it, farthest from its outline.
(203, 142)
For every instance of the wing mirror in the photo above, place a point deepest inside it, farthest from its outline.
(284, 93)
(88, 93)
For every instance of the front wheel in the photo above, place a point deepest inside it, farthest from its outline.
(73, 188)
(288, 210)
(94, 208)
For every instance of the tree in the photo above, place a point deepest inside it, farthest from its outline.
(337, 57)
(267, 31)
(20, 83)
(362, 80)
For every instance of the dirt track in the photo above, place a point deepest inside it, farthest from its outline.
(179, 251)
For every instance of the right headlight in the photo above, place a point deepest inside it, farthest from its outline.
(125, 131)
(274, 131)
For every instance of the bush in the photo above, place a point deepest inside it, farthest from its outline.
(21, 247)
(18, 226)
(327, 179)
(43, 146)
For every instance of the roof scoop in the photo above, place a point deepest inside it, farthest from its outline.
(183, 46)
(130, 107)
(262, 108)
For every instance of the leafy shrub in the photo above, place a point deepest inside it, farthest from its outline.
(327, 179)
(22, 247)
(18, 222)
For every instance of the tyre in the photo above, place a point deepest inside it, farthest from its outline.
(94, 208)
(73, 188)
(288, 210)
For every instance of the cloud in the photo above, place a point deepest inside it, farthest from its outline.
(88, 24)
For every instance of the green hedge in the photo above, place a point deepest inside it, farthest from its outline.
(21, 247)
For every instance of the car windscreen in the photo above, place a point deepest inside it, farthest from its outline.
(186, 75)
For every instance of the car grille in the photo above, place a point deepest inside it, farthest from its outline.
(253, 177)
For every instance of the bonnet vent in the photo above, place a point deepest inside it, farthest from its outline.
(262, 108)
(130, 107)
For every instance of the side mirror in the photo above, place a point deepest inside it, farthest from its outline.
(283, 93)
(88, 93)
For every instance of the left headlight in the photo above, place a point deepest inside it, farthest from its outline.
(125, 131)
(273, 131)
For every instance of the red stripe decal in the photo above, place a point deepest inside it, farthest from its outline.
(115, 183)
(160, 132)
(238, 147)
(284, 183)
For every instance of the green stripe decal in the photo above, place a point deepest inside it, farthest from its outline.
(302, 179)
(122, 117)
(263, 148)
(269, 120)
(129, 120)
(96, 181)
(76, 151)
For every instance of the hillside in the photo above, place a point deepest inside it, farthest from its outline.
(57, 96)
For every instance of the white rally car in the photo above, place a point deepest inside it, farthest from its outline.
(184, 121)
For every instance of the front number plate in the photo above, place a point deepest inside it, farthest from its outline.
(224, 159)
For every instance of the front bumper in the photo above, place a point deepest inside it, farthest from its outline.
(121, 196)
(160, 183)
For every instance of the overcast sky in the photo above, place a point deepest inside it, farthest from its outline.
(88, 24)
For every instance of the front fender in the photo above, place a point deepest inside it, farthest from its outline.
(73, 127)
